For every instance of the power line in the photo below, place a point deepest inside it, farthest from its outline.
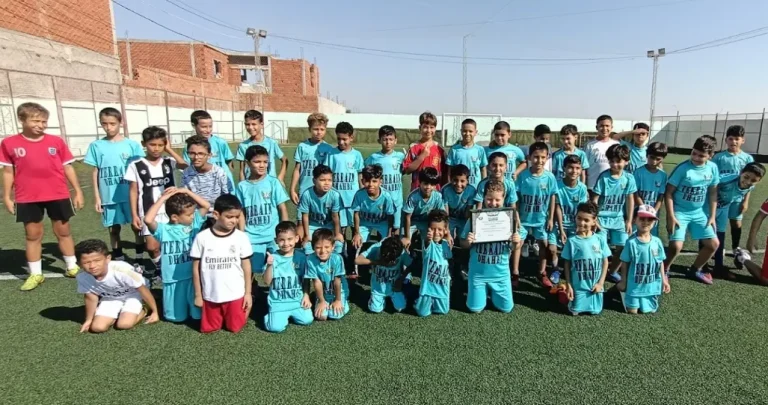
(196, 25)
(720, 41)
(202, 15)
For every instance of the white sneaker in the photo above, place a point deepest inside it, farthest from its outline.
(524, 250)
(535, 247)
(739, 257)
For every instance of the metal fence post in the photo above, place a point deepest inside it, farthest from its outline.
(722, 137)
(760, 132)
(59, 111)
(677, 127)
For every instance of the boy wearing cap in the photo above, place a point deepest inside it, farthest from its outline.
(643, 276)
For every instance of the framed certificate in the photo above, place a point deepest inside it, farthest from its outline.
(493, 225)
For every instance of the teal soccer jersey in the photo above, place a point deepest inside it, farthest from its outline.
(220, 156)
(260, 200)
(419, 209)
(729, 165)
(320, 208)
(488, 260)
(383, 277)
(729, 192)
(285, 291)
(473, 157)
(458, 205)
(637, 156)
(644, 261)
(650, 186)
(346, 167)
(275, 153)
(569, 198)
(309, 155)
(326, 272)
(535, 195)
(692, 183)
(510, 192)
(392, 181)
(613, 198)
(112, 158)
(558, 158)
(586, 257)
(175, 243)
(514, 154)
(436, 276)
(374, 212)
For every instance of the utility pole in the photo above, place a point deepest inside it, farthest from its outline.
(655, 55)
(257, 35)
(464, 75)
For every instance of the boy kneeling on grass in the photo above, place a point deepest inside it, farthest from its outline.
(743, 258)
(113, 290)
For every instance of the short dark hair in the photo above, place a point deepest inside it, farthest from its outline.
(320, 170)
(657, 149)
(429, 175)
(286, 226)
(111, 112)
(735, 131)
(469, 121)
(502, 126)
(494, 186)
(497, 155)
(618, 152)
(199, 115)
(152, 133)
(227, 202)
(569, 129)
(89, 246)
(459, 170)
(255, 150)
(588, 208)
(252, 115)
(755, 168)
(437, 216)
(540, 130)
(391, 249)
(322, 234)
(706, 144)
(572, 159)
(538, 146)
(641, 125)
(198, 140)
(387, 130)
(372, 172)
(177, 203)
(345, 128)
(603, 118)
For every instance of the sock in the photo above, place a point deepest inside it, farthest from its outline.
(554, 263)
(35, 268)
(70, 261)
(720, 250)
(118, 252)
(140, 250)
(735, 237)
(156, 262)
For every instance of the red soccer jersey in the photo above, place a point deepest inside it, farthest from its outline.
(764, 207)
(435, 159)
(38, 166)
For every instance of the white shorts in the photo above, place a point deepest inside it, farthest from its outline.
(112, 308)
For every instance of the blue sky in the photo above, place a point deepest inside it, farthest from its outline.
(720, 79)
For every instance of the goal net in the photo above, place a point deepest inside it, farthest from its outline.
(451, 127)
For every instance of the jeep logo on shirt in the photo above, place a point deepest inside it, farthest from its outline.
(162, 181)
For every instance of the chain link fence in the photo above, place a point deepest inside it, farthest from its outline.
(681, 131)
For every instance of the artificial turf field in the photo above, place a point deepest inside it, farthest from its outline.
(706, 345)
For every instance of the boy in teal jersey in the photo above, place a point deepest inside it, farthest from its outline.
(570, 193)
(391, 162)
(435, 289)
(346, 164)
(388, 260)
(730, 192)
(263, 198)
(651, 180)
(284, 274)
(373, 208)
(186, 214)
(420, 202)
(586, 264)
(568, 136)
(489, 261)
(110, 157)
(320, 206)
(614, 193)
(516, 162)
(497, 167)
(459, 196)
(221, 155)
(643, 277)
(326, 268)
(254, 125)
(468, 153)
(729, 163)
(537, 188)
(691, 184)
(638, 146)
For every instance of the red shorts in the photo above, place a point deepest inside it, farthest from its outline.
(229, 315)
(765, 262)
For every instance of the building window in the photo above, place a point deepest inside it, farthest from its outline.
(217, 69)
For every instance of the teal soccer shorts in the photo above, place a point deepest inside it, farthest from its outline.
(277, 321)
(500, 289)
(426, 305)
(696, 221)
(116, 214)
(179, 301)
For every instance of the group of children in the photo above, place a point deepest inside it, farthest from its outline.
(207, 235)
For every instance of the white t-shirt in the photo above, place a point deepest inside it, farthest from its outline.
(598, 162)
(121, 282)
(159, 177)
(221, 272)
(547, 166)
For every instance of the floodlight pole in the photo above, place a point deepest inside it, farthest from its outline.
(464, 75)
(655, 55)
(257, 34)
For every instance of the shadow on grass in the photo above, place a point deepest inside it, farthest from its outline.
(65, 314)
(531, 294)
(14, 261)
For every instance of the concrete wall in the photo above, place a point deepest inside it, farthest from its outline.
(682, 132)
(328, 106)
